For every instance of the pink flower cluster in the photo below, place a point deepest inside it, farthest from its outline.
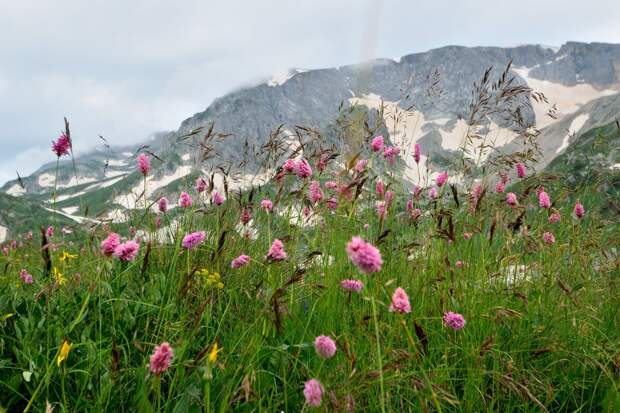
(276, 252)
(25, 276)
(161, 358)
(127, 251)
(325, 347)
(201, 184)
(364, 255)
(144, 164)
(62, 145)
(192, 240)
(352, 285)
(316, 193)
(454, 321)
(400, 302)
(313, 392)
(240, 261)
(185, 201)
(266, 204)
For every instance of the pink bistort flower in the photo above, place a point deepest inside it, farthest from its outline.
(246, 215)
(193, 239)
(50, 231)
(25, 276)
(161, 358)
(201, 184)
(377, 143)
(144, 164)
(361, 165)
(400, 302)
(579, 210)
(162, 204)
(325, 347)
(62, 145)
(441, 179)
(313, 392)
(417, 151)
(379, 187)
(453, 320)
(185, 201)
(127, 251)
(352, 285)
(500, 187)
(266, 204)
(217, 198)
(289, 165)
(554, 218)
(433, 193)
(549, 238)
(240, 261)
(332, 203)
(303, 169)
(316, 193)
(108, 245)
(520, 170)
(390, 152)
(543, 200)
(364, 255)
(276, 252)
(511, 199)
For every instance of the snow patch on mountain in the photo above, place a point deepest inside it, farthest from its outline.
(574, 127)
(568, 99)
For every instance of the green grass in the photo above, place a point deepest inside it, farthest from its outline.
(550, 342)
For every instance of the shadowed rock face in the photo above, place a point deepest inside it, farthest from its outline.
(435, 85)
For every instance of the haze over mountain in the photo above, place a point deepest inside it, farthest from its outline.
(429, 93)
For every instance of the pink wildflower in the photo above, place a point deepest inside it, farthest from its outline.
(161, 358)
(332, 203)
(441, 179)
(433, 193)
(352, 285)
(379, 187)
(549, 238)
(453, 320)
(322, 162)
(313, 392)
(50, 231)
(266, 204)
(246, 214)
(390, 152)
(276, 252)
(520, 170)
(381, 210)
(307, 211)
(417, 192)
(417, 152)
(108, 245)
(303, 169)
(415, 213)
(127, 251)
(62, 145)
(331, 185)
(25, 276)
(377, 143)
(500, 187)
(316, 193)
(579, 210)
(144, 164)
(364, 255)
(400, 302)
(459, 264)
(185, 201)
(467, 235)
(193, 239)
(554, 218)
(289, 165)
(325, 346)
(511, 199)
(201, 184)
(361, 165)
(389, 197)
(217, 198)
(240, 261)
(163, 204)
(543, 200)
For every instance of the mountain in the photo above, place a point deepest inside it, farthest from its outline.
(422, 97)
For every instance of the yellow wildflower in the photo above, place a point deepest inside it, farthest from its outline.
(60, 279)
(213, 353)
(64, 352)
(65, 256)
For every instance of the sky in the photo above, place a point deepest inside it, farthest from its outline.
(126, 69)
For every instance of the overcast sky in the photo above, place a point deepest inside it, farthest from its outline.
(125, 69)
